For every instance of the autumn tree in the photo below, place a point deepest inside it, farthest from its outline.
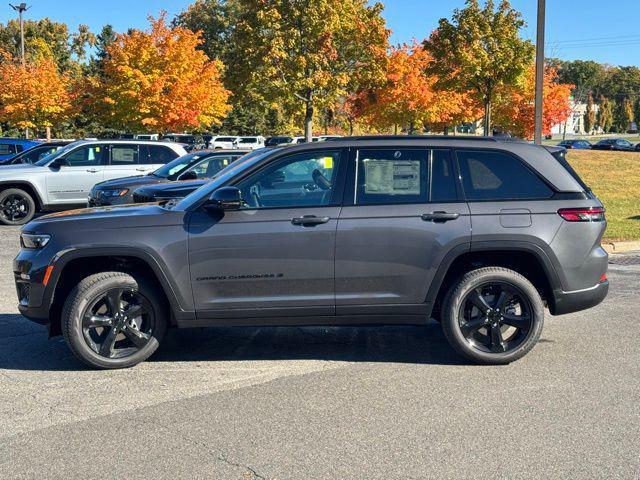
(35, 95)
(514, 108)
(407, 97)
(623, 115)
(157, 80)
(479, 50)
(304, 55)
(589, 116)
(605, 114)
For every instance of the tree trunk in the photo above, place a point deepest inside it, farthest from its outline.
(487, 117)
(395, 129)
(411, 128)
(350, 127)
(48, 129)
(446, 130)
(308, 122)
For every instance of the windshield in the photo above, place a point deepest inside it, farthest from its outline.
(43, 162)
(179, 165)
(248, 140)
(224, 175)
(225, 139)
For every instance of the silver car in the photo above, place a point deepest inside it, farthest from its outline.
(65, 178)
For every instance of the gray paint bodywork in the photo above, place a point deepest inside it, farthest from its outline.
(367, 264)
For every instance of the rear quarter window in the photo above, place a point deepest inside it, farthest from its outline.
(492, 175)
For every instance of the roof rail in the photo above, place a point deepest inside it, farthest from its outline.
(424, 137)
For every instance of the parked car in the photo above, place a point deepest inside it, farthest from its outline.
(278, 140)
(35, 153)
(364, 231)
(10, 147)
(324, 138)
(223, 142)
(303, 139)
(65, 178)
(147, 136)
(172, 191)
(575, 144)
(249, 143)
(193, 166)
(618, 144)
(189, 141)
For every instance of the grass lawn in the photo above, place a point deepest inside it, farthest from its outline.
(615, 179)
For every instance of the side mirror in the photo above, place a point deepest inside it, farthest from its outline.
(59, 162)
(190, 175)
(225, 198)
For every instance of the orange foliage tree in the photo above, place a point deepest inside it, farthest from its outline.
(35, 95)
(514, 109)
(407, 97)
(157, 80)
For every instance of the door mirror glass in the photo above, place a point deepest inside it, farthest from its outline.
(225, 198)
(59, 162)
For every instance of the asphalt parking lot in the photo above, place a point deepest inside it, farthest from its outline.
(326, 403)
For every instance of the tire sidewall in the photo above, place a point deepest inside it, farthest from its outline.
(30, 201)
(450, 317)
(80, 299)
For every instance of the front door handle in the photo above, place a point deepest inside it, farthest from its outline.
(439, 217)
(309, 220)
(141, 169)
(92, 170)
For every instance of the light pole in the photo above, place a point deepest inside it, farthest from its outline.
(537, 137)
(21, 9)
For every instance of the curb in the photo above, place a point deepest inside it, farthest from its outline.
(621, 247)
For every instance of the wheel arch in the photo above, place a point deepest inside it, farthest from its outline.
(73, 265)
(527, 258)
(27, 187)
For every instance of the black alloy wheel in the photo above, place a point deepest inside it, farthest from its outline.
(16, 207)
(118, 323)
(495, 317)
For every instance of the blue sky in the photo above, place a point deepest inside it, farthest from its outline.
(607, 32)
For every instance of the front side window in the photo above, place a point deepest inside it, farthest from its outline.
(306, 179)
(212, 165)
(7, 149)
(124, 155)
(37, 154)
(159, 154)
(90, 155)
(491, 175)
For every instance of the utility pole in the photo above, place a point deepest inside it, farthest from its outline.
(21, 9)
(537, 138)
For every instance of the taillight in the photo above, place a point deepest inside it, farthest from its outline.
(591, 214)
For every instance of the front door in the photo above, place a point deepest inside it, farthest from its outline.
(124, 161)
(274, 256)
(72, 182)
(405, 213)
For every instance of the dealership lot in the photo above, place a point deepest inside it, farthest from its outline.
(390, 402)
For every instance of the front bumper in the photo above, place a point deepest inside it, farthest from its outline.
(568, 302)
(33, 295)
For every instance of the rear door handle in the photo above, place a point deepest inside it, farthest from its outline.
(309, 220)
(92, 170)
(141, 169)
(439, 217)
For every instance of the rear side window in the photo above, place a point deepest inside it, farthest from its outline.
(159, 154)
(7, 149)
(491, 175)
(124, 155)
(562, 160)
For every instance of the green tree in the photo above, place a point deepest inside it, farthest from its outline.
(587, 77)
(605, 114)
(42, 38)
(479, 50)
(302, 55)
(210, 18)
(80, 40)
(623, 115)
(589, 116)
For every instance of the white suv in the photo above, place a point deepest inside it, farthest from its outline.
(65, 178)
(249, 143)
(222, 142)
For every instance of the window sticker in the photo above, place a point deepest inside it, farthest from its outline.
(392, 177)
(328, 162)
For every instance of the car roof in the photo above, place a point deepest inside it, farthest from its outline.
(17, 140)
(126, 141)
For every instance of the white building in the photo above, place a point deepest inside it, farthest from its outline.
(574, 125)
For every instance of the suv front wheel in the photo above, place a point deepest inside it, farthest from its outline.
(17, 207)
(113, 320)
(493, 315)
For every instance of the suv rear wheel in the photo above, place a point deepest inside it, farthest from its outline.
(113, 320)
(17, 207)
(493, 315)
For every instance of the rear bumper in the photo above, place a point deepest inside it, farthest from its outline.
(568, 302)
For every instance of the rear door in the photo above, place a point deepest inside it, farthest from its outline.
(124, 161)
(402, 214)
(71, 183)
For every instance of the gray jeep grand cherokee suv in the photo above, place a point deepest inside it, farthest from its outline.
(479, 234)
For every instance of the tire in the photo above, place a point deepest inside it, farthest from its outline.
(17, 207)
(89, 315)
(508, 329)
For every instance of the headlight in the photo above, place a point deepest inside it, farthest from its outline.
(114, 192)
(34, 241)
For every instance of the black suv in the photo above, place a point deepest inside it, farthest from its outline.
(479, 234)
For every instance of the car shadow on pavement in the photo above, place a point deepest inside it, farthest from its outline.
(26, 346)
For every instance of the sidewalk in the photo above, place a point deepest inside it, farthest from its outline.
(621, 247)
